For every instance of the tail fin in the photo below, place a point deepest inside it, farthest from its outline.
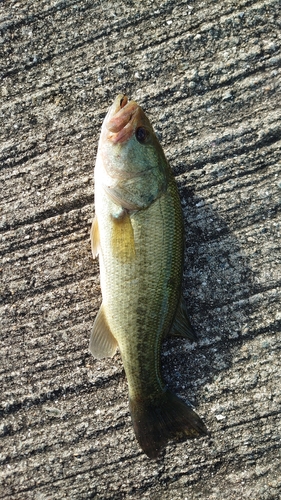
(155, 422)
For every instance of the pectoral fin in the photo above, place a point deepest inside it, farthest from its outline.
(122, 239)
(95, 238)
(181, 326)
(102, 342)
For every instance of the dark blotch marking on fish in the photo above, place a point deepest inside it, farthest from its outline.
(171, 283)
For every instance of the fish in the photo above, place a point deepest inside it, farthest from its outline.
(138, 234)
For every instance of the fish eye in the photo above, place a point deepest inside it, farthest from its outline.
(141, 134)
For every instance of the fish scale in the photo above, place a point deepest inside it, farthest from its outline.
(140, 311)
(139, 237)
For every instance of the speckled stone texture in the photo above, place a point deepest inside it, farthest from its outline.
(208, 76)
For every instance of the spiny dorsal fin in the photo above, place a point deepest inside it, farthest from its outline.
(102, 342)
(181, 326)
(95, 238)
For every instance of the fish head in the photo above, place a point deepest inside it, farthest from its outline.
(130, 162)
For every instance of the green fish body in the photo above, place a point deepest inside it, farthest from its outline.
(138, 234)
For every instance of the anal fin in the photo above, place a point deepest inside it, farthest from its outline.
(181, 326)
(102, 343)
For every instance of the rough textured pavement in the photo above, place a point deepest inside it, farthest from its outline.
(207, 74)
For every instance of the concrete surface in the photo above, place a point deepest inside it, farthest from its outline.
(207, 73)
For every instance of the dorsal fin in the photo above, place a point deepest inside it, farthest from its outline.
(181, 326)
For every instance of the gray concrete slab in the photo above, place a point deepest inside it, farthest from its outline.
(208, 76)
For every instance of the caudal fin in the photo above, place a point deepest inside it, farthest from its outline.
(167, 417)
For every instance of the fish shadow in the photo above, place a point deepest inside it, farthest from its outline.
(217, 280)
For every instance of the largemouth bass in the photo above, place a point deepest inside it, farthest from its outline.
(138, 234)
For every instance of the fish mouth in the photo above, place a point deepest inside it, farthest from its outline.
(122, 119)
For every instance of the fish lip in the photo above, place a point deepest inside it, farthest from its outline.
(119, 102)
(121, 120)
